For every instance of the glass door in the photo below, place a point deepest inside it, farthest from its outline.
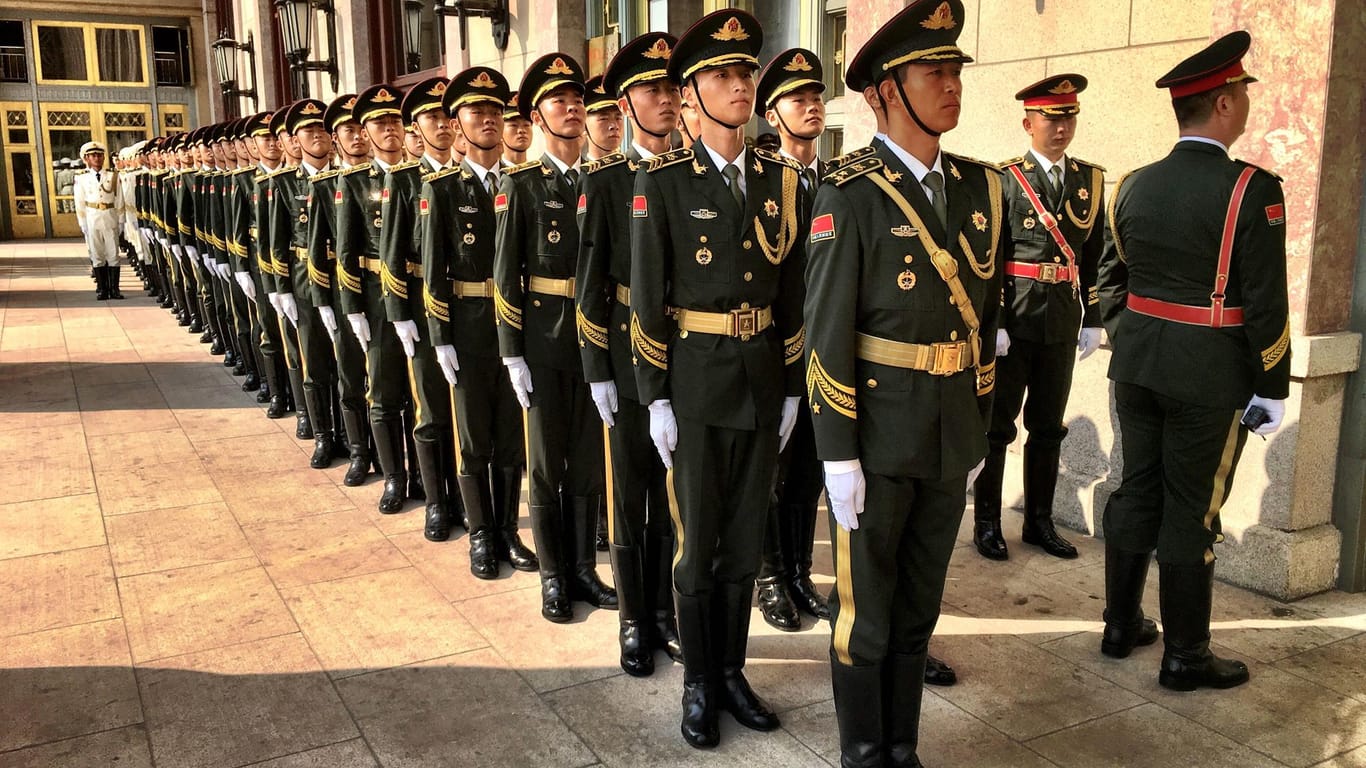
(65, 128)
(22, 174)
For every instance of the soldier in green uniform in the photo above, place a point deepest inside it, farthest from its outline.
(789, 98)
(171, 188)
(516, 133)
(716, 326)
(188, 254)
(213, 247)
(1050, 308)
(352, 149)
(244, 255)
(638, 525)
(1193, 294)
(401, 273)
(537, 251)
(359, 200)
(603, 122)
(274, 354)
(904, 283)
(229, 293)
(457, 253)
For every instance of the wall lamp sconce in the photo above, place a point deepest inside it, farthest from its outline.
(225, 50)
(495, 11)
(296, 32)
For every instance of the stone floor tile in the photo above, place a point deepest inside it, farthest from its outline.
(122, 747)
(1264, 628)
(63, 683)
(102, 369)
(50, 525)
(1339, 666)
(1001, 590)
(131, 449)
(322, 547)
(197, 370)
(244, 457)
(127, 396)
(447, 564)
(379, 620)
(171, 613)
(177, 537)
(549, 656)
(948, 736)
(1149, 734)
(410, 519)
(58, 589)
(38, 383)
(630, 721)
(122, 419)
(241, 704)
(1044, 694)
(218, 394)
(49, 478)
(282, 494)
(43, 443)
(789, 669)
(347, 754)
(1353, 759)
(55, 415)
(138, 488)
(241, 420)
(460, 710)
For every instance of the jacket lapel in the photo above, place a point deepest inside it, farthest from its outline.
(958, 199)
(713, 184)
(901, 177)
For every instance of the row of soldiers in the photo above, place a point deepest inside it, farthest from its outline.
(696, 341)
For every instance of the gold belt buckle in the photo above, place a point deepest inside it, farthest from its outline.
(948, 358)
(1048, 273)
(744, 322)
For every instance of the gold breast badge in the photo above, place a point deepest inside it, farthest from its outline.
(979, 220)
(771, 208)
(468, 239)
(906, 280)
(892, 176)
(553, 236)
(953, 171)
(1028, 223)
(1083, 194)
(704, 255)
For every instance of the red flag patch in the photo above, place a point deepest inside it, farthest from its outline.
(422, 208)
(337, 198)
(1275, 214)
(384, 196)
(823, 227)
(583, 203)
(639, 208)
(500, 203)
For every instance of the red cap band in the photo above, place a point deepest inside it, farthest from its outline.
(1230, 74)
(1060, 100)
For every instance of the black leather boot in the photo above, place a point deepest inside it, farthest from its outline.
(415, 486)
(1126, 627)
(324, 438)
(701, 704)
(986, 506)
(548, 532)
(389, 447)
(247, 355)
(730, 630)
(859, 701)
(602, 543)
(659, 551)
(901, 695)
(455, 501)
(938, 673)
(1186, 592)
(775, 605)
(507, 506)
(358, 447)
(438, 525)
(584, 584)
(112, 282)
(275, 382)
(798, 525)
(101, 283)
(303, 427)
(479, 511)
(1040, 481)
(637, 657)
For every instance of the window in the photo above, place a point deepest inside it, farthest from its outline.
(833, 55)
(119, 52)
(67, 50)
(171, 56)
(61, 53)
(13, 62)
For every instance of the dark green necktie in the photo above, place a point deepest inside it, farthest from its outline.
(572, 176)
(934, 180)
(732, 174)
(1054, 186)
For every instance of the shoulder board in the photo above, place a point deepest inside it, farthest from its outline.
(406, 165)
(444, 172)
(846, 173)
(849, 157)
(673, 157)
(774, 157)
(1272, 174)
(325, 175)
(1012, 161)
(520, 167)
(357, 168)
(1088, 164)
(607, 161)
(243, 171)
(280, 172)
(82, 171)
(992, 166)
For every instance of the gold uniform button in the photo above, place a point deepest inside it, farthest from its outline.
(1056, 259)
(701, 238)
(535, 302)
(909, 258)
(744, 305)
(872, 383)
(682, 334)
(747, 244)
(623, 327)
(749, 276)
(953, 336)
(554, 223)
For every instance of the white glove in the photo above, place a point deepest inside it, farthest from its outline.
(329, 318)
(289, 308)
(178, 251)
(788, 421)
(208, 263)
(1274, 408)
(845, 489)
(193, 251)
(1002, 342)
(664, 430)
(445, 356)
(520, 375)
(224, 271)
(248, 287)
(407, 336)
(360, 326)
(605, 398)
(974, 472)
(1088, 342)
(274, 299)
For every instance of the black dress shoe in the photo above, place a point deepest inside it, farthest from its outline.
(357, 471)
(263, 394)
(518, 555)
(252, 383)
(196, 326)
(438, 525)
(1041, 534)
(391, 500)
(1118, 642)
(745, 705)
(239, 368)
(986, 534)
(303, 428)
(555, 605)
(808, 598)
(776, 606)
(482, 562)
(216, 348)
(637, 658)
(939, 673)
(278, 407)
(1210, 671)
(230, 360)
(699, 725)
(322, 451)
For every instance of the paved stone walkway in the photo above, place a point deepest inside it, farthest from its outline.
(179, 589)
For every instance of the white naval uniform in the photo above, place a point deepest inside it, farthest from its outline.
(128, 181)
(99, 210)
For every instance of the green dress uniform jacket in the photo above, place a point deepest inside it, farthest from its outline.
(400, 244)
(322, 224)
(1051, 313)
(604, 271)
(458, 245)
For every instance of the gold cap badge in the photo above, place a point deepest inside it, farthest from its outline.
(384, 96)
(558, 67)
(731, 30)
(483, 81)
(660, 50)
(798, 64)
(309, 109)
(942, 18)
(350, 103)
(1065, 86)
(438, 90)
